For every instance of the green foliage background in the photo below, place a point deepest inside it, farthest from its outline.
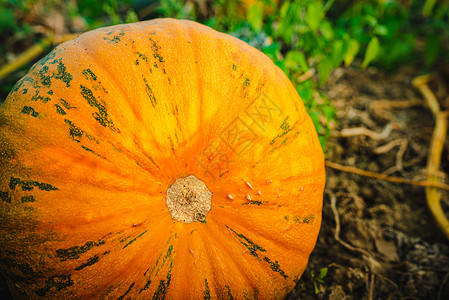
(307, 39)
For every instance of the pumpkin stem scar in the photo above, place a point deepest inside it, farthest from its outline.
(188, 200)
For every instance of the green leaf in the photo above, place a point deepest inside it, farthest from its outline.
(381, 30)
(324, 70)
(428, 7)
(370, 20)
(289, 22)
(371, 51)
(271, 51)
(295, 59)
(337, 53)
(316, 288)
(314, 15)
(323, 273)
(326, 30)
(255, 17)
(351, 52)
(131, 16)
(305, 90)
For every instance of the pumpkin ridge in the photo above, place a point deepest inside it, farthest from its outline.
(223, 244)
(218, 284)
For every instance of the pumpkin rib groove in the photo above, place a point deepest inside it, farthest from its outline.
(242, 260)
(210, 241)
(237, 264)
(132, 261)
(200, 94)
(263, 271)
(128, 154)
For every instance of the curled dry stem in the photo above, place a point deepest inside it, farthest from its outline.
(433, 195)
(337, 229)
(348, 169)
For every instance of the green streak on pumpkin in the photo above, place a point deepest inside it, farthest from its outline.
(44, 79)
(285, 129)
(207, 290)
(76, 251)
(20, 84)
(150, 93)
(309, 219)
(89, 75)
(58, 283)
(59, 110)
(27, 199)
(62, 74)
(127, 291)
(152, 160)
(133, 240)
(37, 97)
(158, 57)
(246, 83)
(90, 262)
(275, 267)
(254, 202)
(47, 58)
(166, 258)
(141, 56)
(164, 284)
(252, 247)
(92, 151)
(102, 115)
(65, 104)
(5, 197)
(115, 39)
(124, 239)
(228, 288)
(29, 185)
(27, 110)
(156, 53)
(76, 132)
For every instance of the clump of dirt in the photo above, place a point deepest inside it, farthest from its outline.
(378, 239)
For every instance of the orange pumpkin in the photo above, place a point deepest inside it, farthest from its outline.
(160, 159)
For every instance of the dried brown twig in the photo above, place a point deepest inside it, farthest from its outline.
(357, 171)
(338, 227)
(433, 195)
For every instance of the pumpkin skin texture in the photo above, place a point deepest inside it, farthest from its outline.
(96, 133)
